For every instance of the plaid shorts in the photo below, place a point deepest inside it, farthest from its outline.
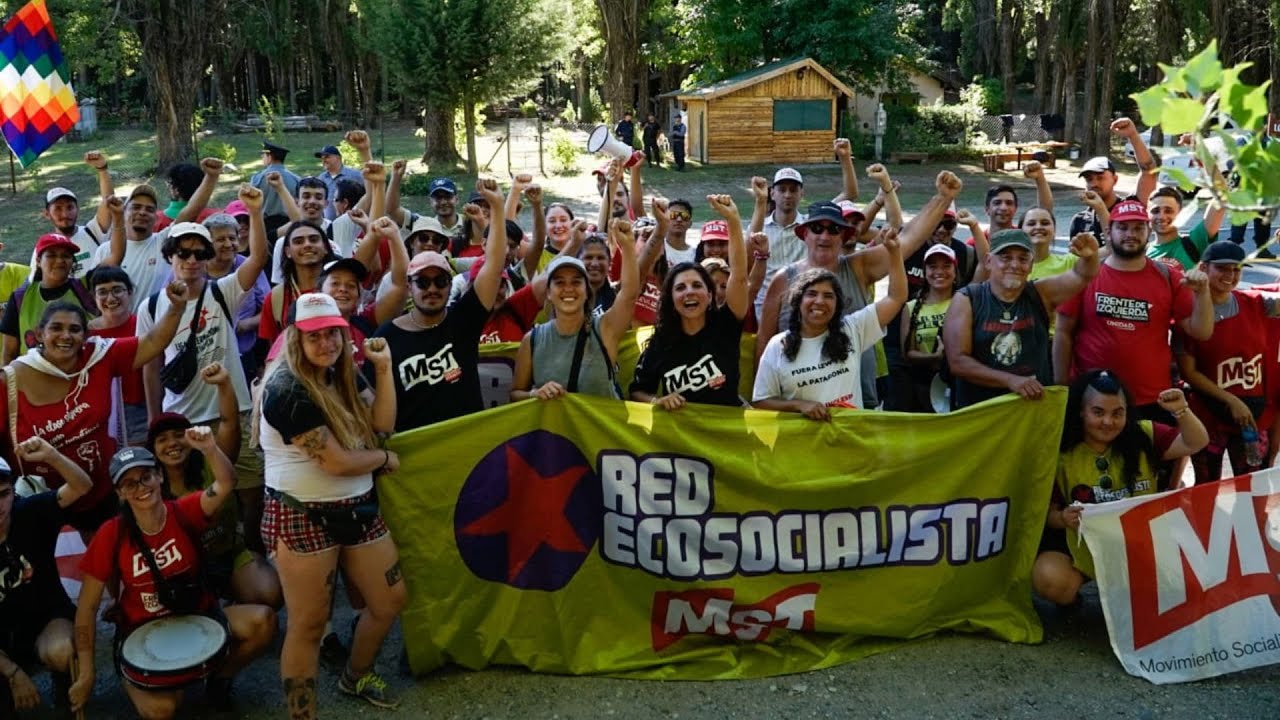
(300, 535)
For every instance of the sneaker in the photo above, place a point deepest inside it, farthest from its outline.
(369, 687)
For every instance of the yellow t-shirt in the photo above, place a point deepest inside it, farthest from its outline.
(928, 323)
(1080, 479)
(12, 275)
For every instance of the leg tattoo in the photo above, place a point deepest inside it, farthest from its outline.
(394, 575)
(300, 698)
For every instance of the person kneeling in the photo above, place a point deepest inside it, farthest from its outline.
(1106, 454)
(153, 550)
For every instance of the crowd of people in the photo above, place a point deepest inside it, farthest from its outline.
(203, 394)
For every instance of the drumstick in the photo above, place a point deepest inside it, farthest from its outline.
(75, 675)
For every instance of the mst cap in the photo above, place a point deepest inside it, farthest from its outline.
(1129, 210)
(427, 260)
(1012, 237)
(715, 230)
(128, 459)
(317, 311)
(58, 193)
(1097, 165)
(788, 174)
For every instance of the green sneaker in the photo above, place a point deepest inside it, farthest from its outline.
(369, 687)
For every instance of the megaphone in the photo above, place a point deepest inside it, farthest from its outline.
(601, 140)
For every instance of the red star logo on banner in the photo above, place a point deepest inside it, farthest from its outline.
(533, 514)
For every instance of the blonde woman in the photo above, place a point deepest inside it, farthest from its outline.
(317, 428)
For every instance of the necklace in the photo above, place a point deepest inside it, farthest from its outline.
(1007, 315)
(413, 318)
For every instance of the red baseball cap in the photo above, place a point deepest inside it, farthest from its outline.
(49, 241)
(1129, 210)
(317, 311)
(715, 230)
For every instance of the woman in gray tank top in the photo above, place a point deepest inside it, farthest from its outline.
(575, 352)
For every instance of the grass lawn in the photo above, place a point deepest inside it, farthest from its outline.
(131, 152)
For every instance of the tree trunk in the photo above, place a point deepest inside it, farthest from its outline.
(1010, 16)
(985, 38)
(1089, 135)
(1070, 115)
(441, 148)
(583, 87)
(175, 36)
(1044, 43)
(621, 26)
(469, 121)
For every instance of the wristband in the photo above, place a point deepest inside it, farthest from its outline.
(761, 256)
(386, 458)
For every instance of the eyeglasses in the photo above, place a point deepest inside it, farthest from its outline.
(188, 253)
(111, 292)
(1103, 465)
(145, 478)
(439, 281)
(829, 228)
(679, 215)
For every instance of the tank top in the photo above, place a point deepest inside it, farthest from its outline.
(855, 298)
(1012, 338)
(553, 359)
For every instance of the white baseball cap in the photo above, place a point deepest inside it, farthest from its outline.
(787, 174)
(316, 311)
(58, 192)
(940, 249)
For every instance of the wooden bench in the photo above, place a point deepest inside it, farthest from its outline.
(995, 162)
(920, 158)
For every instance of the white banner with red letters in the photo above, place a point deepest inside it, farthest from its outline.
(1190, 580)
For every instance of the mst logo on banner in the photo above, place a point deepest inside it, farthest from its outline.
(584, 535)
(1190, 580)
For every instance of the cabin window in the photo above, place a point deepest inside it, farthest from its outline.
(797, 115)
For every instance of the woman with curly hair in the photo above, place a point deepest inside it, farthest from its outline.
(693, 353)
(815, 364)
(1106, 454)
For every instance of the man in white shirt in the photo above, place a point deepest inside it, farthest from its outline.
(62, 210)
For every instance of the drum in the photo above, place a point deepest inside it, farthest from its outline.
(173, 651)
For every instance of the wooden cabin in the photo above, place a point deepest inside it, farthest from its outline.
(785, 112)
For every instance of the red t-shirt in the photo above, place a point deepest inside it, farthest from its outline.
(646, 309)
(112, 555)
(511, 321)
(1122, 325)
(268, 328)
(1237, 358)
(77, 425)
(131, 384)
(470, 251)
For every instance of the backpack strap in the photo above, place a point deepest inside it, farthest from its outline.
(1193, 252)
(83, 295)
(222, 301)
(151, 306)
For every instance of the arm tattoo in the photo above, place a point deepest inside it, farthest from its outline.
(300, 698)
(313, 441)
(211, 492)
(394, 575)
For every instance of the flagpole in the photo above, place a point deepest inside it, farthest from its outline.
(13, 176)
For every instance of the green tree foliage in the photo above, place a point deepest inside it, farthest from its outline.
(1198, 98)
(463, 53)
(861, 40)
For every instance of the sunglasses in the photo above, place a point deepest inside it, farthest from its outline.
(188, 253)
(439, 281)
(829, 228)
(679, 215)
(1103, 465)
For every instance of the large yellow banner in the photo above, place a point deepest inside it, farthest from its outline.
(583, 535)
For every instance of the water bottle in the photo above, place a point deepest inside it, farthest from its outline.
(1252, 447)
